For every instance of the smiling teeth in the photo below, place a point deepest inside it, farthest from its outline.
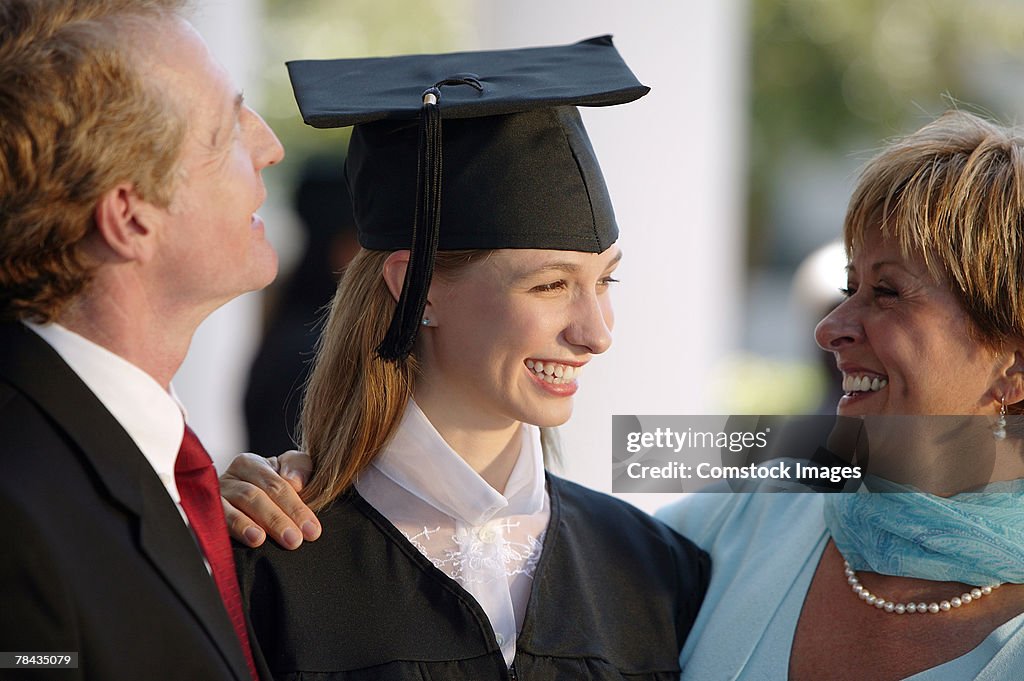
(552, 372)
(861, 384)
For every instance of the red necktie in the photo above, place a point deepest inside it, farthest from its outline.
(200, 497)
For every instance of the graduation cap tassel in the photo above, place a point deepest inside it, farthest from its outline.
(405, 323)
(426, 228)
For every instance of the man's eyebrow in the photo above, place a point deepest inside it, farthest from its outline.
(236, 111)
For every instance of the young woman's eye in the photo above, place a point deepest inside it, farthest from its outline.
(606, 281)
(553, 286)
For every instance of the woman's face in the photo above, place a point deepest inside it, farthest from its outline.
(510, 335)
(903, 341)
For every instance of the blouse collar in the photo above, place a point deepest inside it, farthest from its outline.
(419, 460)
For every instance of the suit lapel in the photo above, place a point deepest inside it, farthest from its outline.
(176, 556)
(34, 368)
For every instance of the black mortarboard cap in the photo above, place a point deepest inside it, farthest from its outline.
(515, 170)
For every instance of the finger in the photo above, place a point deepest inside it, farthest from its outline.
(253, 487)
(241, 527)
(261, 506)
(250, 467)
(296, 467)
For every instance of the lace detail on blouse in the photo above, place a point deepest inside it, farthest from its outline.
(478, 555)
(488, 542)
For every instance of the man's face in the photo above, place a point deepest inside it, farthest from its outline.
(211, 242)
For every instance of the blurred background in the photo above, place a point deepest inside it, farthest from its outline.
(730, 182)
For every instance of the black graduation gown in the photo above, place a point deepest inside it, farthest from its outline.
(614, 595)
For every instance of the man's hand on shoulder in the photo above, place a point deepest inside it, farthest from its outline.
(261, 496)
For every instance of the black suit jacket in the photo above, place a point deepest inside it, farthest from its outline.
(95, 558)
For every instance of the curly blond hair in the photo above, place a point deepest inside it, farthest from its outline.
(78, 119)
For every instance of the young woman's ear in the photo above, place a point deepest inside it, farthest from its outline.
(394, 272)
(394, 276)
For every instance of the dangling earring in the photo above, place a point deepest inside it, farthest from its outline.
(999, 431)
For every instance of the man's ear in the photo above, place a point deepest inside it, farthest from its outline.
(125, 222)
(394, 272)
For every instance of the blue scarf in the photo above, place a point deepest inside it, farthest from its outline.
(974, 537)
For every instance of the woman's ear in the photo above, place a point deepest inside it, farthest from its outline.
(1010, 384)
(394, 276)
(394, 272)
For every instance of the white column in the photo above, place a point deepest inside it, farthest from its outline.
(674, 163)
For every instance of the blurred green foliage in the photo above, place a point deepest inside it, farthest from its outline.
(754, 384)
(330, 29)
(836, 75)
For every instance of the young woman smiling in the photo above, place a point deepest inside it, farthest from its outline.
(447, 550)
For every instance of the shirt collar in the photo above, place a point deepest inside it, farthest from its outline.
(419, 460)
(152, 416)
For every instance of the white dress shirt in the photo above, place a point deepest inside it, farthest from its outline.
(486, 541)
(152, 416)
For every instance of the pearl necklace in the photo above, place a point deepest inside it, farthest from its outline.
(922, 608)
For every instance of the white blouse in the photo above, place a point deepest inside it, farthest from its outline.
(486, 541)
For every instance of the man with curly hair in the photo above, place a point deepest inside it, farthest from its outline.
(129, 180)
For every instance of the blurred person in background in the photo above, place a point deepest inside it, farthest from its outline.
(281, 365)
(816, 290)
